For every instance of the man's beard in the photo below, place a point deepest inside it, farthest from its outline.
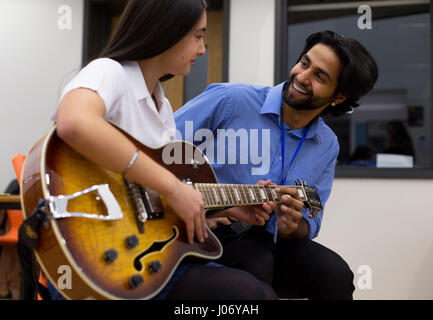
(302, 104)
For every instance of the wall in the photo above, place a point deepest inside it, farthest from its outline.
(385, 225)
(251, 46)
(37, 57)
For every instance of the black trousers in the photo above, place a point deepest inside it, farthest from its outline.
(294, 268)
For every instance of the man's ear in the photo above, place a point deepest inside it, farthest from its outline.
(339, 99)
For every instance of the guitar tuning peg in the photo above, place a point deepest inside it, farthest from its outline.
(312, 213)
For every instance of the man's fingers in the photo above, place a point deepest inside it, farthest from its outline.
(289, 191)
(268, 208)
(291, 224)
(292, 202)
(260, 221)
(264, 183)
(295, 214)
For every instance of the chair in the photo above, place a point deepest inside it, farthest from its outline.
(16, 217)
(10, 277)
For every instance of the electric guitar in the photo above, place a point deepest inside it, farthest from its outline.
(106, 237)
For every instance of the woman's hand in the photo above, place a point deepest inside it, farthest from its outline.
(189, 206)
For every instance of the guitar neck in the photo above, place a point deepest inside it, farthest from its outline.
(218, 196)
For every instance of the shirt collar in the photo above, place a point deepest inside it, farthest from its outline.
(138, 84)
(272, 105)
(272, 102)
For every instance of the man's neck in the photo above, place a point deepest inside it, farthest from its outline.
(297, 119)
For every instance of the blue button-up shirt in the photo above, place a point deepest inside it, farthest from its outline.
(238, 128)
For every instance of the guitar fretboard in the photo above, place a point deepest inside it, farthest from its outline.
(229, 195)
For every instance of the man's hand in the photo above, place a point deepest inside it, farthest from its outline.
(215, 222)
(289, 214)
(255, 215)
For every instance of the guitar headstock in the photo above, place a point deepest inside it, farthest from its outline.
(310, 196)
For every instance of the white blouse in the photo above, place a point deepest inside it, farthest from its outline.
(127, 101)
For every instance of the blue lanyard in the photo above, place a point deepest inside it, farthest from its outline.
(283, 145)
(283, 150)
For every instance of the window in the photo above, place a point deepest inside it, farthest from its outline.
(389, 134)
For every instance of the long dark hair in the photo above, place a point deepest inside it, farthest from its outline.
(359, 73)
(150, 27)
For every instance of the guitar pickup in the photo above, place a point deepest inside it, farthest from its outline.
(153, 203)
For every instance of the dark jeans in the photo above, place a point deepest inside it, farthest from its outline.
(295, 268)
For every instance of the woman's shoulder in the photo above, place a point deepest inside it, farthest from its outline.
(104, 66)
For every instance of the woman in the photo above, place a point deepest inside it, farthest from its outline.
(155, 40)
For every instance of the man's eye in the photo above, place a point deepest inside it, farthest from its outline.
(320, 77)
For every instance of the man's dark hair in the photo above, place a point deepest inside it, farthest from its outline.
(148, 28)
(359, 69)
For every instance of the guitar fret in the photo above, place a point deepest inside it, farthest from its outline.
(217, 198)
(270, 190)
(208, 195)
(224, 196)
(237, 195)
(275, 195)
(257, 194)
(201, 189)
(253, 198)
(229, 189)
(221, 194)
(244, 193)
(214, 201)
(262, 193)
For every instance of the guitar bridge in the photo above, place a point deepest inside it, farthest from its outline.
(146, 203)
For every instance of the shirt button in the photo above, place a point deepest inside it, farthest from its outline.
(281, 158)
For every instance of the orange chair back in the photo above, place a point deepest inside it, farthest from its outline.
(15, 216)
(11, 237)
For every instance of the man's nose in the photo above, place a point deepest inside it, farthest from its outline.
(304, 77)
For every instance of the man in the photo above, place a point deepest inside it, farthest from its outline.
(287, 140)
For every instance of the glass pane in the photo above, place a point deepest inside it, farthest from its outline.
(394, 118)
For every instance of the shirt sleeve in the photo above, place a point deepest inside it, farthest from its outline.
(323, 186)
(208, 111)
(104, 76)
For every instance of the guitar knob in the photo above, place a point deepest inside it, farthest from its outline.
(110, 256)
(155, 266)
(132, 241)
(135, 281)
